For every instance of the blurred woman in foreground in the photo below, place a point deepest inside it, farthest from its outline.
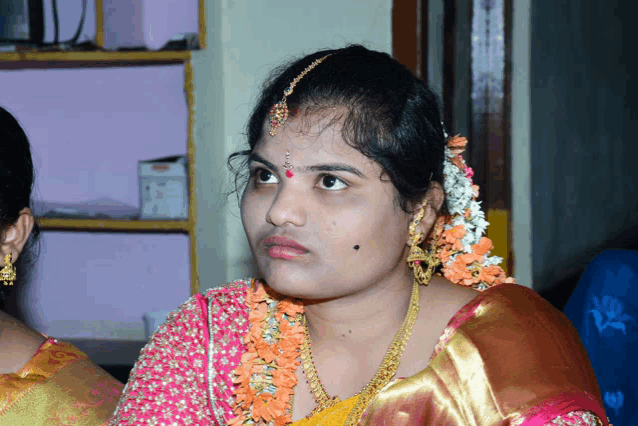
(42, 381)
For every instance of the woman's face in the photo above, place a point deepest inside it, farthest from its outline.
(331, 229)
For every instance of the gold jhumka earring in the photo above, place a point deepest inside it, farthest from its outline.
(279, 112)
(8, 273)
(418, 255)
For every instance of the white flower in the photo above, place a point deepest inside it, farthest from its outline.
(492, 260)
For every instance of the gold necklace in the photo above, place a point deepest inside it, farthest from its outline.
(383, 375)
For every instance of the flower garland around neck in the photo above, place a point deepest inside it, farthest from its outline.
(265, 378)
(460, 245)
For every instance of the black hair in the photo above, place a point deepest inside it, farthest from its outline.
(16, 185)
(391, 116)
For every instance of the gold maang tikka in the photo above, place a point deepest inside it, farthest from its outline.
(418, 255)
(279, 112)
(8, 272)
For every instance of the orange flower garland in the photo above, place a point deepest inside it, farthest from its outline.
(266, 376)
(465, 258)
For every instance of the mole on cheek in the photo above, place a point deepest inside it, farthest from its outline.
(356, 247)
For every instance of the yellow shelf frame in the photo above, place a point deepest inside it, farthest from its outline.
(35, 59)
(64, 224)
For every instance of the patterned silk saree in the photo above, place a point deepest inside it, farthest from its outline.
(59, 386)
(506, 358)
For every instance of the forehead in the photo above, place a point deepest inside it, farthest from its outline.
(312, 139)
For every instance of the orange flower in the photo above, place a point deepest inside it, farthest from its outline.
(483, 246)
(453, 237)
(260, 407)
(488, 274)
(475, 188)
(254, 333)
(291, 338)
(290, 307)
(281, 421)
(276, 409)
(247, 395)
(283, 378)
(258, 314)
(237, 420)
(255, 296)
(445, 254)
(291, 331)
(454, 233)
(265, 351)
(468, 258)
(456, 144)
(243, 370)
(457, 271)
(283, 394)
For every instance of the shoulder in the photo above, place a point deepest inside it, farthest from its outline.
(193, 317)
(18, 342)
(446, 298)
(171, 371)
(236, 290)
(193, 313)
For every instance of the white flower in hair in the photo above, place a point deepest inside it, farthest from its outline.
(472, 266)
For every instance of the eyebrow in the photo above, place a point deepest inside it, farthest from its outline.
(332, 167)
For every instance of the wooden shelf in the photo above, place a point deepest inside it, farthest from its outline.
(60, 59)
(116, 225)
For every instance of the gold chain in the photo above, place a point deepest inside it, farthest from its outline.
(383, 375)
(316, 387)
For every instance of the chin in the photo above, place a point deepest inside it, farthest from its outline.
(285, 280)
(291, 280)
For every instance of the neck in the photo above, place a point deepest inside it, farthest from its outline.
(378, 310)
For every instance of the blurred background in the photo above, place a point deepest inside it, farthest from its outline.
(542, 90)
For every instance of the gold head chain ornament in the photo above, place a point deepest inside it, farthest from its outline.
(418, 255)
(279, 112)
(8, 272)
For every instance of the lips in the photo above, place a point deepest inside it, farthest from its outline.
(283, 248)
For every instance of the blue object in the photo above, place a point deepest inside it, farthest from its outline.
(604, 310)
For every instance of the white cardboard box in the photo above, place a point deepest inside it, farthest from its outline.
(147, 23)
(163, 188)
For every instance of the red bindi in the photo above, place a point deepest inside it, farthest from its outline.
(288, 166)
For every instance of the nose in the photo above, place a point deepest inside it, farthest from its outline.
(287, 208)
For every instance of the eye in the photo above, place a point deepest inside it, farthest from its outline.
(264, 176)
(332, 183)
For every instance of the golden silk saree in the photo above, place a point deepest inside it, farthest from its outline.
(59, 386)
(506, 358)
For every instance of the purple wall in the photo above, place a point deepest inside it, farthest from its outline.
(88, 129)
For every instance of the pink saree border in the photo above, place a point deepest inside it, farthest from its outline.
(561, 405)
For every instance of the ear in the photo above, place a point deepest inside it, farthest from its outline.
(432, 203)
(15, 236)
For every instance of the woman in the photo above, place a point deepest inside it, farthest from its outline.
(348, 173)
(42, 381)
